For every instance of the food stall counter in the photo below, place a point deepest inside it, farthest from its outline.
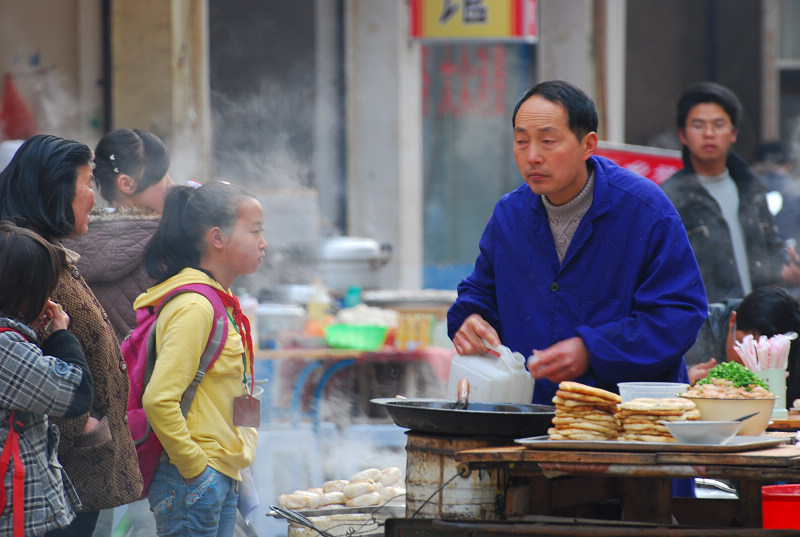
(643, 475)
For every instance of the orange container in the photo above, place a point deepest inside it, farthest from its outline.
(780, 506)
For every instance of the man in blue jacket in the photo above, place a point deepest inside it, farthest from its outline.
(587, 266)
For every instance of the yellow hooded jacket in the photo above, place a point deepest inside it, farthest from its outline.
(207, 435)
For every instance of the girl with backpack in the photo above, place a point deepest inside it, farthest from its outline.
(36, 495)
(207, 235)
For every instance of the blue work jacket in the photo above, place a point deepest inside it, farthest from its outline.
(629, 284)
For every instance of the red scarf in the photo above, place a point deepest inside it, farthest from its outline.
(243, 324)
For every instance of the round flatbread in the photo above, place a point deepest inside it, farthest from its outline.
(585, 399)
(578, 435)
(594, 418)
(577, 387)
(650, 428)
(587, 425)
(647, 438)
(651, 404)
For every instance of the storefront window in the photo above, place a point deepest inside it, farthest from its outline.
(469, 92)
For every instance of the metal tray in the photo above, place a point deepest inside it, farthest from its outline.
(391, 509)
(737, 443)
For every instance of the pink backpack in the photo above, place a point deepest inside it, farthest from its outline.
(139, 352)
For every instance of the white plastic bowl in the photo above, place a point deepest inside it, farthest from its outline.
(633, 390)
(703, 432)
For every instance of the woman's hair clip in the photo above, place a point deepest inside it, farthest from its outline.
(194, 184)
(113, 159)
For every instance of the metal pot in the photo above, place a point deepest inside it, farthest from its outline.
(439, 416)
(351, 261)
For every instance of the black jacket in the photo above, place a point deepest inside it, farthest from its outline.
(711, 239)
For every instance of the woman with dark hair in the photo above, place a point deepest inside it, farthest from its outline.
(131, 174)
(36, 383)
(47, 187)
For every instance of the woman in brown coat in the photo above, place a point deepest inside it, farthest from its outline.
(47, 187)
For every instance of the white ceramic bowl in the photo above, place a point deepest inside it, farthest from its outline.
(703, 432)
(633, 390)
(730, 409)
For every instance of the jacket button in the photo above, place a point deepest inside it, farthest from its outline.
(554, 286)
(123, 365)
(62, 368)
(125, 417)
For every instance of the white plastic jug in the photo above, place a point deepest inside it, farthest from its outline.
(497, 380)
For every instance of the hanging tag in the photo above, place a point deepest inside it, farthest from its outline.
(246, 411)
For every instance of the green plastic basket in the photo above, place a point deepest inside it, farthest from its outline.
(363, 337)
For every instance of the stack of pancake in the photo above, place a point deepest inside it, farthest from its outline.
(584, 413)
(643, 419)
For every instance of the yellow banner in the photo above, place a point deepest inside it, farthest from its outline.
(473, 19)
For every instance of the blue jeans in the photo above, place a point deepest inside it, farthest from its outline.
(204, 508)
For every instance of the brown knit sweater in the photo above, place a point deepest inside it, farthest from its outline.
(102, 464)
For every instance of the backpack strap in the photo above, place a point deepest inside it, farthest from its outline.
(216, 339)
(11, 451)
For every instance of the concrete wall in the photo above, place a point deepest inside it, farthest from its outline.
(53, 50)
(384, 118)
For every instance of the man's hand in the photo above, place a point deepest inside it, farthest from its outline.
(565, 360)
(468, 338)
(700, 371)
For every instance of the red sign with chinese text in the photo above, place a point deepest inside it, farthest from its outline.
(656, 164)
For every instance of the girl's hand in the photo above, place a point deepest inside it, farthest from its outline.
(91, 423)
(54, 318)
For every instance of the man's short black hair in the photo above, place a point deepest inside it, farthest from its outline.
(581, 112)
(709, 92)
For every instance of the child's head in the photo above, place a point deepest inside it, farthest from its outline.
(131, 169)
(29, 270)
(766, 312)
(195, 217)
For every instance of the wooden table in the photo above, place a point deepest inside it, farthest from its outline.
(789, 423)
(642, 477)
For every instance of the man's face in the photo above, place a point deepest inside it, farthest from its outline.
(708, 133)
(550, 158)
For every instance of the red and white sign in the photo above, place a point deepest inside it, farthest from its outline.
(654, 163)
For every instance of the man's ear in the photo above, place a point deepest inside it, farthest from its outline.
(126, 184)
(589, 143)
(682, 136)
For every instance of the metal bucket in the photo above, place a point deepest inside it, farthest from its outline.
(435, 490)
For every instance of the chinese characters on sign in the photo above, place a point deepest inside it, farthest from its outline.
(469, 81)
(507, 20)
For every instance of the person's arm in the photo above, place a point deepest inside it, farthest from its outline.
(669, 307)
(40, 383)
(183, 326)
(64, 345)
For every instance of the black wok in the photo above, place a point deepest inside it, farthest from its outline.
(439, 416)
